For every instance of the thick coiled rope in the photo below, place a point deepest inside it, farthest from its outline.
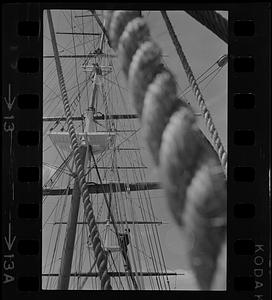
(99, 253)
(213, 21)
(192, 176)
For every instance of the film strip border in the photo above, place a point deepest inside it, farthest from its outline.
(248, 138)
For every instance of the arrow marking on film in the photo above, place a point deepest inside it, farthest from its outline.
(10, 101)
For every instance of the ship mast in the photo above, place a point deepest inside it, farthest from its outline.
(109, 190)
(68, 247)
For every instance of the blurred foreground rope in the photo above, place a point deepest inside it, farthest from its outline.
(192, 175)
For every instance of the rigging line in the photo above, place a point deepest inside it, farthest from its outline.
(113, 268)
(142, 210)
(51, 64)
(48, 64)
(68, 90)
(189, 89)
(104, 194)
(65, 191)
(50, 78)
(76, 70)
(62, 157)
(92, 23)
(53, 162)
(77, 248)
(200, 100)
(56, 104)
(101, 26)
(51, 166)
(83, 43)
(55, 167)
(53, 183)
(114, 83)
(53, 260)
(159, 242)
(116, 76)
(143, 178)
(152, 216)
(120, 280)
(146, 258)
(84, 51)
(47, 254)
(74, 102)
(119, 88)
(53, 98)
(47, 148)
(156, 230)
(81, 252)
(136, 241)
(203, 88)
(54, 208)
(61, 46)
(90, 255)
(78, 239)
(135, 238)
(45, 84)
(162, 256)
(122, 226)
(136, 137)
(109, 210)
(201, 75)
(139, 197)
(123, 141)
(143, 252)
(67, 20)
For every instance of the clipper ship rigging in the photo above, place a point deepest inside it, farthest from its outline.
(114, 170)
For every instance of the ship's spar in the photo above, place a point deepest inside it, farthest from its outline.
(86, 153)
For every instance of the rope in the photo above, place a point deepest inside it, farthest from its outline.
(201, 102)
(99, 253)
(213, 21)
(101, 25)
(192, 176)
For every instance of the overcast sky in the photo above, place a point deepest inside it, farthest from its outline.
(202, 49)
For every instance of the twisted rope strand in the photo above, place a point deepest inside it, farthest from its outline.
(191, 173)
(213, 21)
(201, 102)
(88, 211)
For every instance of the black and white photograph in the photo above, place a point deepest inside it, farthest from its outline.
(134, 162)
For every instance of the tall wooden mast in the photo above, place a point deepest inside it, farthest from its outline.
(68, 247)
(69, 242)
